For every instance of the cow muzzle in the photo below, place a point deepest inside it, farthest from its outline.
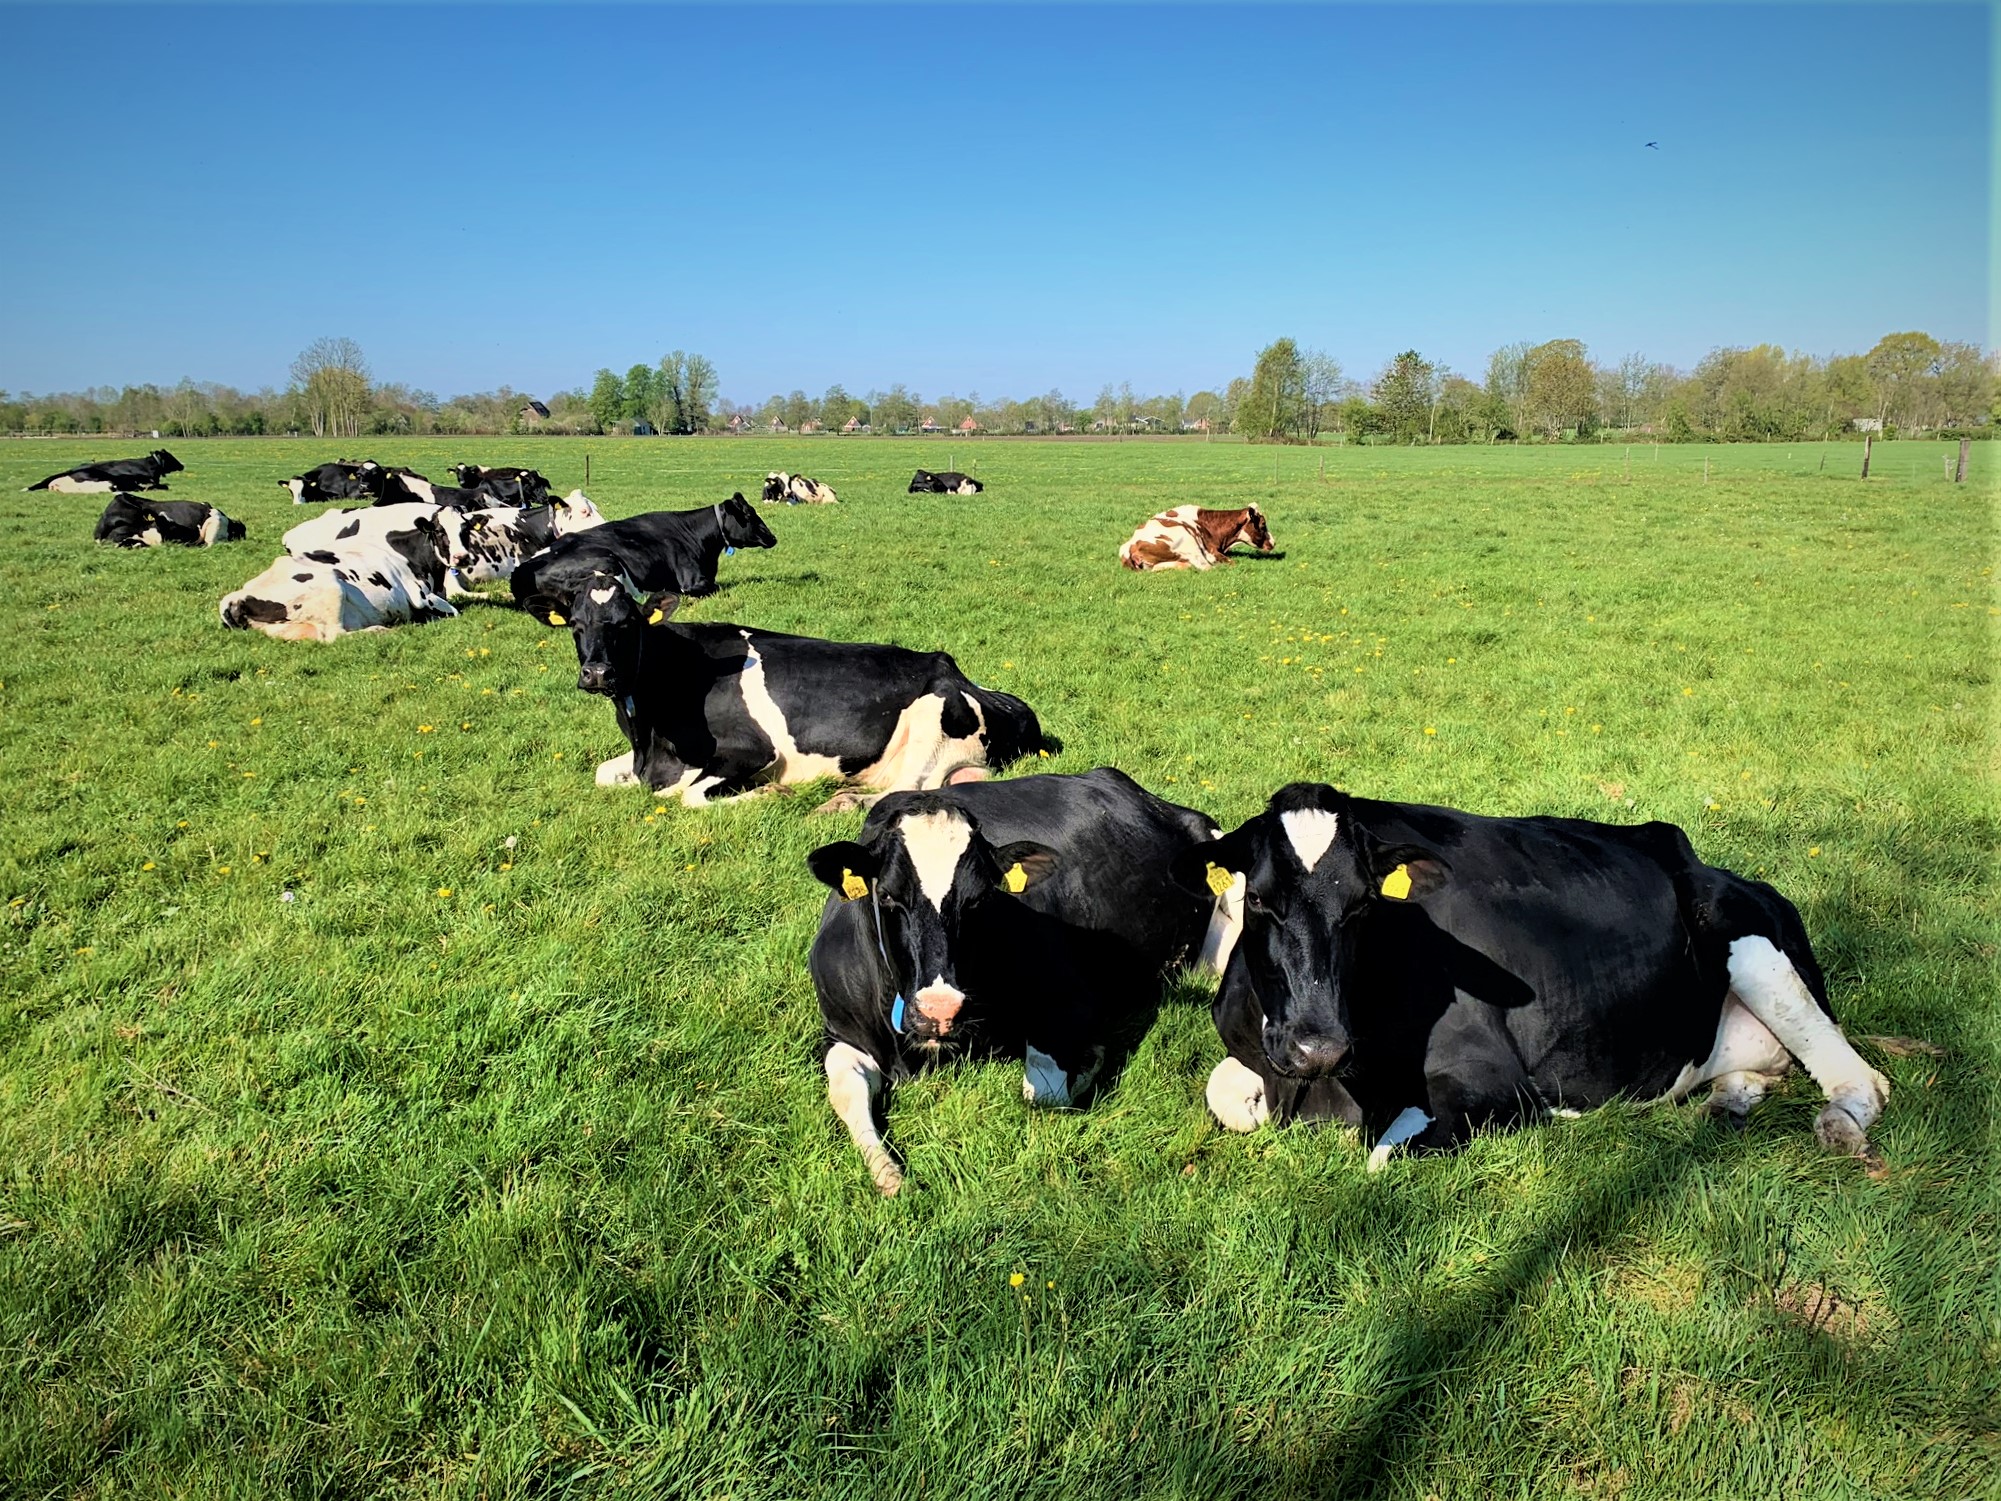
(1310, 1055)
(594, 679)
(937, 1009)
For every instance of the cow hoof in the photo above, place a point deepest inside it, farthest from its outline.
(1236, 1097)
(1840, 1133)
(849, 802)
(888, 1177)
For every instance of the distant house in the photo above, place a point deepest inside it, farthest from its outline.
(854, 425)
(1199, 425)
(969, 426)
(739, 423)
(533, 413)
(809, 426)
(929, 425)
(642, 429)
(778, 424)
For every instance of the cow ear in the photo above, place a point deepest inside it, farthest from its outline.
(1405, 872)
(546, 608)
(660, 606)
(1024, 864)
(1209, 870)
(846, 867)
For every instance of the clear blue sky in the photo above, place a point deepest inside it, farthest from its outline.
(992, 200)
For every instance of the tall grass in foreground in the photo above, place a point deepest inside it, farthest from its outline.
(385, 1109)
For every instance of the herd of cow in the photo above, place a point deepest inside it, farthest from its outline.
(1418, 972)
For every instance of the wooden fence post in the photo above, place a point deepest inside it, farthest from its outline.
(1629, 463)
(1959, 476)
(1705, 469)
(587, 468)
(1868, 443)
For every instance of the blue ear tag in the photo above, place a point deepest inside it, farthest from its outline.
(729, 552)
(896, 1015)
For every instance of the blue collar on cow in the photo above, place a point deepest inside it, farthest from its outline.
(896, 1009)
(728, 551)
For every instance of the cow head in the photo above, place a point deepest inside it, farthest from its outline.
(921, 483)
(1253, 532)
(926, 875)
(776, 487)
(575, 513)
(742, 526)
(165, 463)
(606, 618)
(430, 549)
(1313, 875)
(466, 473)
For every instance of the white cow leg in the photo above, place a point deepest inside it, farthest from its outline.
(854, 1079)
(1772, 991)
(1236, 1096)
(617, 772)
(1046, 1082)
(1411, 1122)
(1745, 1061)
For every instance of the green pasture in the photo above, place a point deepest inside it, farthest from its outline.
(496, 1160)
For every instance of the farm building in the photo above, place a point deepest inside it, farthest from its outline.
(969, 426)
(533, 412)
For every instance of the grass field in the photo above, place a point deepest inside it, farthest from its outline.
(496, 1160)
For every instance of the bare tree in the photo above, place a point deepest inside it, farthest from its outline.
(332, 377)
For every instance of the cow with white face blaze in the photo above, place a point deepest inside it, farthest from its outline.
(714, 710)
(148, 473)
(796, 490)
(1031, 919)
(1193, 537)
(1423, 973)
(130, 521)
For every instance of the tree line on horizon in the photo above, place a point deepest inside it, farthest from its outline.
(1908, 382)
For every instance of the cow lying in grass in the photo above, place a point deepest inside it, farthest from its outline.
(1423, 973)
(951, 482)
(796, 490)
(148, 473)
(715, 711)
(129, 521)
(1025, 919)
(1190, 537)
(675, 551)
(396, 575)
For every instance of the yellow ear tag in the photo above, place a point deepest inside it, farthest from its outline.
(1396, 884)
(1221, 880)
(555, 619)
(1016, 879)
(656, 617)
(852, 885)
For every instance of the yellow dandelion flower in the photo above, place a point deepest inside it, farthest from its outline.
(423, 729)
(465, 724)
(1016, 1280)
(222, 870)
(147, 866)
(444, 891)
(258, 720)
(182, 824)
(1813, 852)
(507, 865)
(1431, 729)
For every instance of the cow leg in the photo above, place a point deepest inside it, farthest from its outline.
(850, 799)
(617, 772)
(1410, 1123)
(1764, 979)
(1046, 1081)
(1236, 1096)
(854, 1079)
(1743, 1064)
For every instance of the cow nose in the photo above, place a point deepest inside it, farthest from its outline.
(594, 679)
(1311, 1056)
(939, 1004)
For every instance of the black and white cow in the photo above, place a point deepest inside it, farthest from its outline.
(671, 550)
(339, 480)
(1024, 919)
(1423, 972)
(796, 490)
(713, 710)
(494, 542)
(416, 531)
(149, 473)
(507, 485)
(129, 521)
(951, 482)
(321, 594)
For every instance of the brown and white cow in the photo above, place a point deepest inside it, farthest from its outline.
(1189, 537)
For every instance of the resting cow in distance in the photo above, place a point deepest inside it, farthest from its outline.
(132, 522)
(1423, 973)
(1027, 919)
(796, 490)
(951, 482)
(149, 473)
(713, 710)
(1190, 537)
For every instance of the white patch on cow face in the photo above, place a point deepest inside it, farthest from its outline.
(1764, 979)
(1407, 1125)
(936, 842)
(1311, 831)
(1236, 1096)
(151, 536)
(605, 595)
(298, 489)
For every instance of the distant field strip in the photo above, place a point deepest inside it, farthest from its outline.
(385, 1109)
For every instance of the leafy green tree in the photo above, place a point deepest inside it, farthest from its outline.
(641, 394)
(1561, 389)
(1899, 367)
(1275, 405)
(607, 400)
(1403, 395)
